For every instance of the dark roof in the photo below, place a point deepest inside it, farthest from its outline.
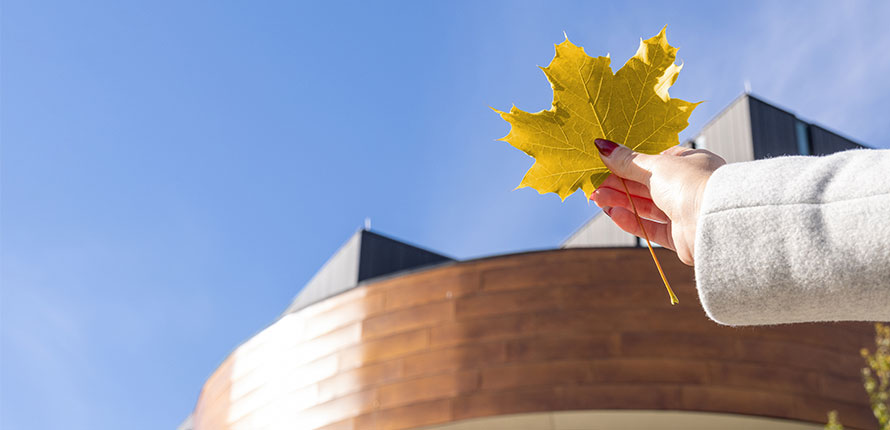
(366, 255)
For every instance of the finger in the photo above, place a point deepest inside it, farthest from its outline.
(627, 221)
(675, 150)
(610, 197)
(635, 188)
(624, 162)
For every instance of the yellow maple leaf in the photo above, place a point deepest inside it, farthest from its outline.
(631, 107)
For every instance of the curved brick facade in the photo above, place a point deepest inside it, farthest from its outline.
(580, 329)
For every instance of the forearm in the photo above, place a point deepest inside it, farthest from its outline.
(796, 239)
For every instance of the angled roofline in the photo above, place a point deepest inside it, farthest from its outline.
(781, 108)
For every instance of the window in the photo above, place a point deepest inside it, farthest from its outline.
(802, 132)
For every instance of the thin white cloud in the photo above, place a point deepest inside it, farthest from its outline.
(825, 61)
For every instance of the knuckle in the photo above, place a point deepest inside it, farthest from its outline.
(626, 162)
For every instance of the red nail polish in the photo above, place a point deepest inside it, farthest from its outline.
(608, 210)
(605, 147)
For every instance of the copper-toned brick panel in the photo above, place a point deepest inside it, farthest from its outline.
(481, 329)
(506, 302)
(406, 417)
(738, 400)
(473, 356)
(425, 315)
(422, 288)
(566, 330)
(649, 370)
(530, 374)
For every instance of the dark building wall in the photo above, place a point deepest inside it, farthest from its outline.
(776, 132)
(381, 255)
(364, 256)
(772, 130)
(824, 142)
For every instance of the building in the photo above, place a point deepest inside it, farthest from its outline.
(391, 336)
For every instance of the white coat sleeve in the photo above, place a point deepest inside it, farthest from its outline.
(795, 239)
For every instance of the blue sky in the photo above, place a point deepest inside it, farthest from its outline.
(174, 172)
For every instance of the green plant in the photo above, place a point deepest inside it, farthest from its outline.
(833, 423)
(876, 379)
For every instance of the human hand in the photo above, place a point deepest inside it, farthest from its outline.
(667, 190)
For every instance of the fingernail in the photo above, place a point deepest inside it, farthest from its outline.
(605, 147)
(593, 199)
(608, 210)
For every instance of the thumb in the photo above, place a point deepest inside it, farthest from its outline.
(624, 162)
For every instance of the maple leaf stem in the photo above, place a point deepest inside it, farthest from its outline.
(674, 299)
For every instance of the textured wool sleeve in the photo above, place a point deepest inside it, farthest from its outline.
(795, 239)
